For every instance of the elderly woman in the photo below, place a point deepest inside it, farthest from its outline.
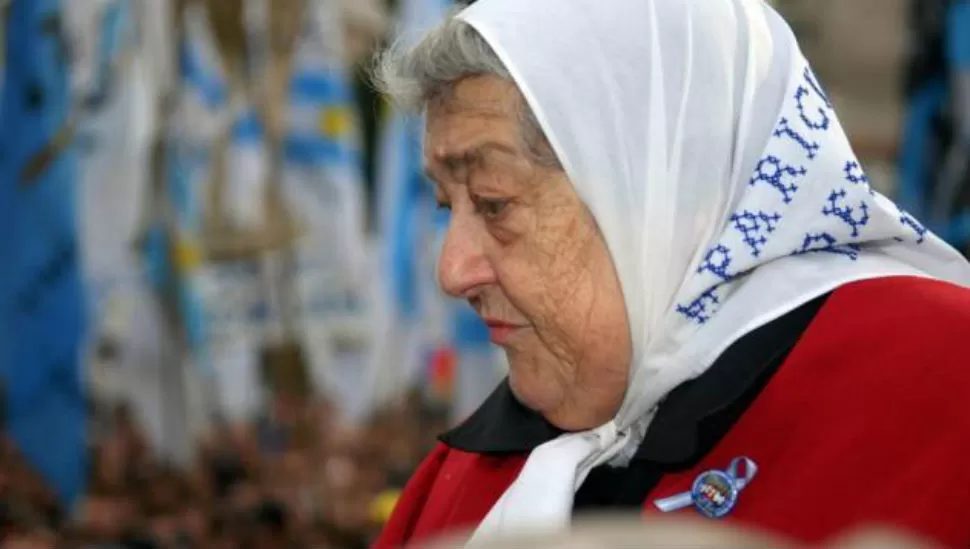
(704, 305)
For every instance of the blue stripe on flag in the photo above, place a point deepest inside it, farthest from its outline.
(212, 91)
(319, 88)
(248, 129)
(309, 149)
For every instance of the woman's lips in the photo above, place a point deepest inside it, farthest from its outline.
(499, 332)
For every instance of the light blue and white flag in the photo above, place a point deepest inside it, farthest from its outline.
(114, 141)
(323, 184)
(324, 179)
(420, 319)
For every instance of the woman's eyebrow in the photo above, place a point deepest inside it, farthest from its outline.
(465, 156)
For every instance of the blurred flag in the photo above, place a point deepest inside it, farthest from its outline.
(114, 140)
(322, 182)
(934, 156)
(324, 157)
(173, 247)
(405, 209)
(420, 320)
(324, 177)
(168, 242)
(41, 301)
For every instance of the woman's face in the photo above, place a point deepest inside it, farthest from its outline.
(525, 252)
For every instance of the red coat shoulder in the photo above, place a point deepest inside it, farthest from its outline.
(864, 422)
(902, 345)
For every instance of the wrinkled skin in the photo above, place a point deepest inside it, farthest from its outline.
(526, 253)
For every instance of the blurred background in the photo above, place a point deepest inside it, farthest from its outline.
(218, 321)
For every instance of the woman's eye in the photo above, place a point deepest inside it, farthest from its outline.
(490, 208)
(443, 205)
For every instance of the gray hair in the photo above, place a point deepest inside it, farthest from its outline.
(412, 75)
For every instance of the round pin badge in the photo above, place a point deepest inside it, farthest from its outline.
(714, 493)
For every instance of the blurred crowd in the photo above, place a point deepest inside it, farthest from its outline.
(295, 478)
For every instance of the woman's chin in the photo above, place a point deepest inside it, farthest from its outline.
(545, 397)
(532, 392)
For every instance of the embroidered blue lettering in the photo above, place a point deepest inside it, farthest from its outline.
(854, 174)
(784, 129)
(772, 171)
(847, 213)
(717, 262)
(824, 242)
(753, 227)
(909, 221)
(812, 81)
(822, 123)
(701, 309)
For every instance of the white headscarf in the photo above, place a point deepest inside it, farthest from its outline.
(725, 188)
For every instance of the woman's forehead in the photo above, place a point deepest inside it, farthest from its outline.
(450, 135)
(460, 134)
(485, 95)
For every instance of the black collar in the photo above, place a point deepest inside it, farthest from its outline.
(504, 426)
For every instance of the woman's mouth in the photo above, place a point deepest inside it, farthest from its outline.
(499, 332)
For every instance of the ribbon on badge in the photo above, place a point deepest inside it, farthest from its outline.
(714, 493)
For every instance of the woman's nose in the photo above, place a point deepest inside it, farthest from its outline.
(462, 265)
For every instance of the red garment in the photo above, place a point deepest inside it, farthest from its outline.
(864, 423)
